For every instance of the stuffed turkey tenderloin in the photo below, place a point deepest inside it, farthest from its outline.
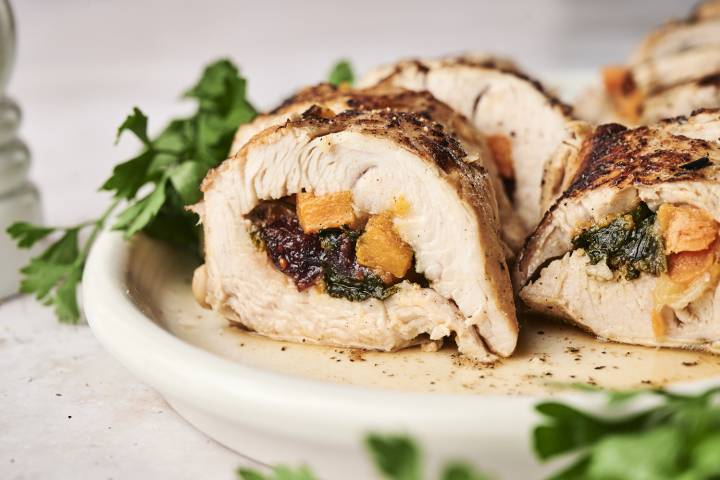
(366, 229)
(631, 251)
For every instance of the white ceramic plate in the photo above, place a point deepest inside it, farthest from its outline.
(290, 403)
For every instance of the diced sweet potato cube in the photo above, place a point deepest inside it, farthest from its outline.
(501, 149)
(623, 92)
(381, 247)
(684, 267)
(317, 213)
(686, 228)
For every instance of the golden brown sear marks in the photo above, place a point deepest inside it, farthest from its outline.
(413, 132)
(386, 97)
(617, 157)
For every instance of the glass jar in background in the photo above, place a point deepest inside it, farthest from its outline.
(19, 199)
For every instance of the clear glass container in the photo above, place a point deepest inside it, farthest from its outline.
(19, 199)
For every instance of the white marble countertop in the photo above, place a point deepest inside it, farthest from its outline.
(68, 410)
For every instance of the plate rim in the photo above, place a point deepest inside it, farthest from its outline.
(283, 403)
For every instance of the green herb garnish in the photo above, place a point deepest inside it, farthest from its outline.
(677, 439)
(278, 473)
(341, 73)
(395, 457)
(157, 184)
(629, 243)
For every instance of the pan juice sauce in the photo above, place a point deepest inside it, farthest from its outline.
(550, 355)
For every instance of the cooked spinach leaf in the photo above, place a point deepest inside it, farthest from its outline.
(629, 243)
(343, 276)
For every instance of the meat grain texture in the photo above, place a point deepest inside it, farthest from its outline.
(504, 104)
(379, 156)
(675, 162)
(388, 97)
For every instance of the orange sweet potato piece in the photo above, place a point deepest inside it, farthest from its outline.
(625, 96)
(380, 247)
(317, 213)
(501, 149)
(686, 228)
(685, 267)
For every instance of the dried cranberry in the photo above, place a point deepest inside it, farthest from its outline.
(293, 252)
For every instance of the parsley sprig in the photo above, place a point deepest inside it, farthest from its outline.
(54, 275)
(679, 438)
(396, 457)
(341, 73)
(154, 187)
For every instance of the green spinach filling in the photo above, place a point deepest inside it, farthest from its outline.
(630, 244)
(343, 276)
(328, 256)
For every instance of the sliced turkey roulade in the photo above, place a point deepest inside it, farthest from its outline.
(362, 229)
(631, 250)
(524, 125)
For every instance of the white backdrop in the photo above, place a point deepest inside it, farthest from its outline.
(83, 63)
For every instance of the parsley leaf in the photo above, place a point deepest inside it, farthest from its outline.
(396, 457)
(175, 162)
(135, 217)
(278, 473)
(677, 438)
(137, 123)
(341, 73)
(53, 276)
(156, 184)
(27, 235)
(461, 471)
(566, 429)
(186, 179)
(128, 177)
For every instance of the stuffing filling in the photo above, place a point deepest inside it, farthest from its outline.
(320, 241)
(628, 244)
(501, 148)
(624, 94)
(678, 244)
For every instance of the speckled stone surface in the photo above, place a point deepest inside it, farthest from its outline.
(71, 411)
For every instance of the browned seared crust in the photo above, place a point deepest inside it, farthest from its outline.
(383, 97)
(685, 118)
(423, 137)
(315, 94)
(617, 157)
(709, 80)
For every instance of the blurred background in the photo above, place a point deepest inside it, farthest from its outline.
(81, 64)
